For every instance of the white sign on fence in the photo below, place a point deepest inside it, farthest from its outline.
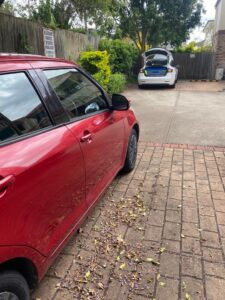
(49, 42)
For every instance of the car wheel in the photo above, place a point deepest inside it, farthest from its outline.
(173, 86)
(131, 156)
(13, 286)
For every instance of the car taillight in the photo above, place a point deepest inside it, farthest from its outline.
(170, 70)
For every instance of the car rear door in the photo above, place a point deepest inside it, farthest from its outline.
(42, 177)
(99, 130)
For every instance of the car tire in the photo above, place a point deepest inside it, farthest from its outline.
(131, 155)
(173, 86)
(13, 286)
(140, 86)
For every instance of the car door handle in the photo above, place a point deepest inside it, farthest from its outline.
(5, 182)
(86, 138)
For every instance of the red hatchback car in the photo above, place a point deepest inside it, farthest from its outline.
(63, 140)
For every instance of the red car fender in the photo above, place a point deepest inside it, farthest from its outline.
(8, 253)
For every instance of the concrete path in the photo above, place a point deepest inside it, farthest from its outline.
(194, 113)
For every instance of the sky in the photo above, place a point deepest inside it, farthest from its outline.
(209, 6)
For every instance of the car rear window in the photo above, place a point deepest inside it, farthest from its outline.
(21, 110)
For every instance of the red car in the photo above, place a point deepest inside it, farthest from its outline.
(63, 140)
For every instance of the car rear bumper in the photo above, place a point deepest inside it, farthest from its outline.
(169, 79)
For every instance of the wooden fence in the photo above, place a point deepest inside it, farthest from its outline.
(23, 36)
(195, 66)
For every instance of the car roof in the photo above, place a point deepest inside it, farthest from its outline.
(10, 61)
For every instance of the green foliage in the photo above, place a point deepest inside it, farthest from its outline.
(7, 7)
(43, 13)
(193, 48)
(117, 83)
(159, 21)
(97, 64)
(122, 55)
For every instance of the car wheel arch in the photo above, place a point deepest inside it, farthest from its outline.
(23, 266)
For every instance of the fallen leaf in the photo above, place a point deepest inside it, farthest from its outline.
(122, 266)
(151, 260)
(184, 286)
(162, 283)
(100, 285)
(188, 296)
(58, 285)
(158, 276)
(87, 275)
(183, 236)
(162, 249)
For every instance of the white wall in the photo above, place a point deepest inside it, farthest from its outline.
(220, 16)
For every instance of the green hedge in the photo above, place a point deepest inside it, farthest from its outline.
(97, 64)
(122, 55)
(117, 83)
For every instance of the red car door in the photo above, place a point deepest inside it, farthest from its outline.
(99, 130)
(42, 174)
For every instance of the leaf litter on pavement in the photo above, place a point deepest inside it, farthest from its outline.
(114, 257)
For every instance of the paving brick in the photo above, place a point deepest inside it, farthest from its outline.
(190, 214)
(192, 287)
(61, 266)
(169, 291)
(173, 216)
(215, 288)
(46, 289)
(172, 231)
(156, 217)
(171, 246)
(220, 218)
(215, 269)
(192, 266)
(191, 245)
(190, 229)
(218, 195)
(208, 223)
(153, 233)
(210, 239)
(212, 255)
(206, 211)
(169, 265)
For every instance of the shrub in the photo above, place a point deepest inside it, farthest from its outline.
(122, 55)
(97, 64)
(117, 83)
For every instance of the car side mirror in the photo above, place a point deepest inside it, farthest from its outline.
(120, 102)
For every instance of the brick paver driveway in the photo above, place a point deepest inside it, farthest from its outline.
(158, 233)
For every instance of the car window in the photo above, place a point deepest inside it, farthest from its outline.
(78, 95)
(21, 110)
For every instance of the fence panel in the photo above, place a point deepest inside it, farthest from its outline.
(23, 36)
(195, 66)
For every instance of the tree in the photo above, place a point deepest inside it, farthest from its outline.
(90, 11)
(159, 21)
(7, 7)
(64, 13)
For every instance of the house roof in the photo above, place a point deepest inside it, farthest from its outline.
(209, 22)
